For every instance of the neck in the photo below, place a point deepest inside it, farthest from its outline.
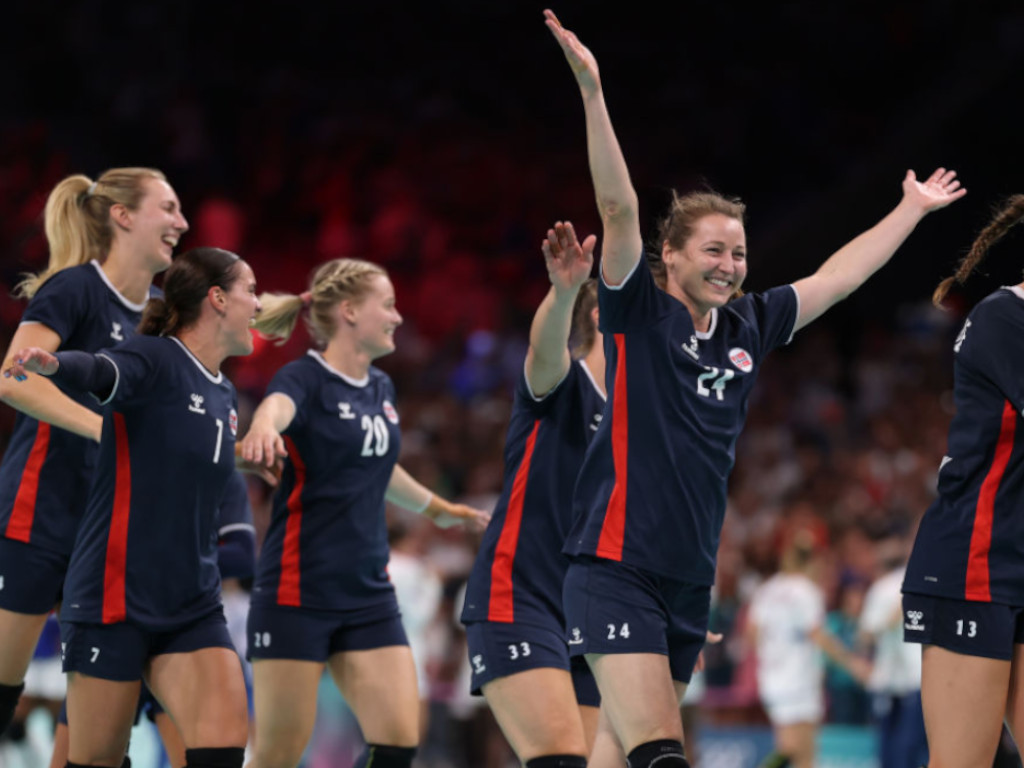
(594, 360)
(343, 355)
(701, 316)
(207, 351)
(131, 280)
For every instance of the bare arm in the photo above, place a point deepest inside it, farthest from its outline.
(857, 667)
(263, 444)
(569, 264)
(616, 198)
(42, 399)
(406, 492)
(847, 269)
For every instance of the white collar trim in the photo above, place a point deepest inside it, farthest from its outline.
(1016, 289)
(202, 368)
(347, 379)
(120, 296)
(704, 335)
(593, 381)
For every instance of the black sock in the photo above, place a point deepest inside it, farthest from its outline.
(215, 757)
(383, 756)
(9, 695)
(663, 753)
(557, 761)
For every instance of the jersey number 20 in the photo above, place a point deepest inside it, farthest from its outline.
(375, 441)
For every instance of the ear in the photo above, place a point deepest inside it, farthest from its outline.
(347, 312)
(666, 249)
(595, 316)
(217, 298)
(121, 216)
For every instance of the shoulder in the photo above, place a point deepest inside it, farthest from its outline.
(72, 281)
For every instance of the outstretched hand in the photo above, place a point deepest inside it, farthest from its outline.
(452, 514)
(569, 262)
(581, 60)
(938, 191)
(261, 452)
(32, 360)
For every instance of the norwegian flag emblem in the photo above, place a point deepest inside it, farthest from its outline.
(233, 422)
(741, 359)
(390, 412)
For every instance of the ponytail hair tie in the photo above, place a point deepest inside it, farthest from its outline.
(307, 298)
(91, 190)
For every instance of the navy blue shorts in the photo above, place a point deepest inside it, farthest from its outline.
(121, 651)
(612, 607)
(286, 632)
(498, 649)
(32, 578)
(989, 630)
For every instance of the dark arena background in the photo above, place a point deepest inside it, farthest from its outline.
(441, 140)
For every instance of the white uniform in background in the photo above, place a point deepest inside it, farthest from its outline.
(786, 609)
(418, 590)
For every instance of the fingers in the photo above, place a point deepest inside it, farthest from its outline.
(589, 244)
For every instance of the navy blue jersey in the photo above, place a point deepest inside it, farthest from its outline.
(652, 489)
(46, 472)
(146, 550)
(327, 546)
(519, 569)
(970, 544)
(236, 535)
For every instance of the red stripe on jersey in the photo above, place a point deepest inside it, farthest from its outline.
(613, 530)
(19, 526)
(501, 606)
(977, 584)
(117, 540)
(288, 589)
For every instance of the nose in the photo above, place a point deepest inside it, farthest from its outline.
(398, 318)
(181, 224)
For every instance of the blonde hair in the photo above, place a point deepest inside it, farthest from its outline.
(334, 282)
(1003, 219)
(77, 219)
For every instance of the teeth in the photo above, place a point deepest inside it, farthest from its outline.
(721, 283)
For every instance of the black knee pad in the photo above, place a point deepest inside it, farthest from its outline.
(215, 757)
(557, 761)
(663, 753)
(9, 695)
(775, 760)
(383, 756)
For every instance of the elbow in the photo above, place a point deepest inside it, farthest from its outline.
(616, 210)
(9, 391)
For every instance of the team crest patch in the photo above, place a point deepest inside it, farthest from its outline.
(390, 412)
(741, 359)
(233, 422)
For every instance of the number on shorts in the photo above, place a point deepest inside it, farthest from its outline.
(261, 640)
(515, 652)
(623, 631)
(95, 654)
(972, 628)
(1, 582)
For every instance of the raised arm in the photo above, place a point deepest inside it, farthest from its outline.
(263, 444)
(847, 269)
(616, 198)
(41, 399)
(569, 265)
(406, 492)
(73, 369)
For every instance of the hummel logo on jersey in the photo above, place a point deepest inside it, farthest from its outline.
(478, 664)
(115, 333)
(944, 462)
(597, 422)
(577, 637)
(345, 411)
(915, 621)
(691, 347)
(196, 405)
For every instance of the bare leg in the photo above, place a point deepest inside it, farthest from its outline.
(284, 693)
(100, 717)
(380, 686)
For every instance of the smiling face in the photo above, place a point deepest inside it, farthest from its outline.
(152, 230)
(373, 317)
(710, 266)
(240, 307)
